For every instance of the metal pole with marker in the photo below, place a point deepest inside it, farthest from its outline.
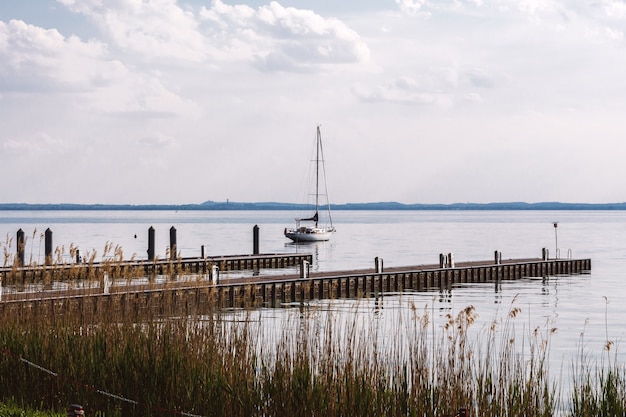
(556, 240)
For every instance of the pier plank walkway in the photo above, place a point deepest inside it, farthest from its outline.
(202, 295)
(12, 275)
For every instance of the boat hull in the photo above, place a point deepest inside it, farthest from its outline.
(309, 234)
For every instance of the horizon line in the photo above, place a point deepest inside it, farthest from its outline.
(389, 205)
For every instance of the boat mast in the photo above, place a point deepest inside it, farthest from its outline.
(317, 173)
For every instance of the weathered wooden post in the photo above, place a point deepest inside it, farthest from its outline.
(255, 240)
(20, 247)
(497, 257)
(151, 243)
(450, 261)
(204, 265)
(48, 246)
(304, 269)
(172, 242)
(544, 254)
(106, 284)
(443, 260)
(215, 274)
(77, 256)
(378, 264)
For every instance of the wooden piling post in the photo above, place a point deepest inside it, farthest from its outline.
(304, 269)
(151, 243)
(378, 263)
(255, 240)
(20, 247)
(172, 242)
(215, 274)
(273, 295)
(48, 246)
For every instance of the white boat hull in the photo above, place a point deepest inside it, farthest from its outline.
(309, 234)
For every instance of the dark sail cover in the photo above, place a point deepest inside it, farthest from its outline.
(312, 219)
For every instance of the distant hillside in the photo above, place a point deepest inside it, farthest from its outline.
(229, 205)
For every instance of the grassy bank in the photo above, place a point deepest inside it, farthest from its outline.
(309, 361)
(12, 410)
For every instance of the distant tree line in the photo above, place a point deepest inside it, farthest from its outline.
(230, 205)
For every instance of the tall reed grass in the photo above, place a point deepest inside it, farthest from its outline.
(599, 387)
(65, 269)
(317, 360)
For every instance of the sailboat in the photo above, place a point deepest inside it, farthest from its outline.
(313, 231)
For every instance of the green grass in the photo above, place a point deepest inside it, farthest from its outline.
(10, 409)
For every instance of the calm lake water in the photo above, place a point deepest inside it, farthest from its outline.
(593, 304)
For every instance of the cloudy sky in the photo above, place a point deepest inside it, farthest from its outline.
(419, 101)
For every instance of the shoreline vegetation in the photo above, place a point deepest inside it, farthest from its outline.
(10, 409)
(327, 358)
(230, 205)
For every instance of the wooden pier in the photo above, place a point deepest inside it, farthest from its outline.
(121, 269)
(198, 297)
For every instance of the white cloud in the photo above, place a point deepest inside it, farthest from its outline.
(413, 7)
(156, 29)
(41, 60)
(273, 37)
(614, 8)
(535, 7)
(456, 92)
(438, 87)
(474, 98)
(158, 140)
(36, 149)
(283, 38)
(37, 58)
